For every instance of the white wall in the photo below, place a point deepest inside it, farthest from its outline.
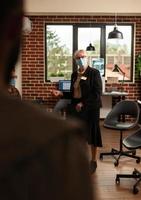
(82, 6)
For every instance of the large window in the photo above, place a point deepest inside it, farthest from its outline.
(58, 51)
(63, 40)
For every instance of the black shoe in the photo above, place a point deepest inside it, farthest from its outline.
(93, 166)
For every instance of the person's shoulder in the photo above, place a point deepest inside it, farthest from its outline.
(94, 70)
(13, 91)
(35, 124)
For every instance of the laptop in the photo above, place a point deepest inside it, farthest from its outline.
(64, 85)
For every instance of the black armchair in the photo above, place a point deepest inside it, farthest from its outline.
(118, 119)
(132, 142)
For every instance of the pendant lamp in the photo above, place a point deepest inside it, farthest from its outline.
(115, 34)
(90, 47)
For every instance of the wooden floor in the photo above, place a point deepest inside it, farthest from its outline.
(105, 187)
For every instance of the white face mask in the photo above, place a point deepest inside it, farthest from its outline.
(82, 62)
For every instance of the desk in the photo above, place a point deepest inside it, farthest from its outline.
(107, 101)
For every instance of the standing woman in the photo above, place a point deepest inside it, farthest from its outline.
(86, 90)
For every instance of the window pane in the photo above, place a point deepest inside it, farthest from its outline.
(87, 35)
(118, 51)
(59, 50)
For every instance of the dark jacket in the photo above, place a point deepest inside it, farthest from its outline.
(91, 87)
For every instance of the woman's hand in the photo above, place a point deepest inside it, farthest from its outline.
(79, 107)
(57, 93)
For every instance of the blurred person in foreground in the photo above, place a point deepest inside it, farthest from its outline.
(11, 89)
(41, 157)
(86, 91)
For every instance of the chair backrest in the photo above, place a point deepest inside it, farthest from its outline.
(125, 107)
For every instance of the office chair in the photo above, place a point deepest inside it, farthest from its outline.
(132, 142)
(118, 119)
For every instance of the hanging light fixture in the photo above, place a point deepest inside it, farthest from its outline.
(115, 34)
(90, 47)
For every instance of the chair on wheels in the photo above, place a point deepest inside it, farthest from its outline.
(118, 119)
(132, 142)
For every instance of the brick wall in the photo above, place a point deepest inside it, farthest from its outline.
(33, 54)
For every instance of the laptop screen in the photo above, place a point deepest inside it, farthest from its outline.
(64, 85)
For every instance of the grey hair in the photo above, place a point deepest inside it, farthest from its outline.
(80, 50)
